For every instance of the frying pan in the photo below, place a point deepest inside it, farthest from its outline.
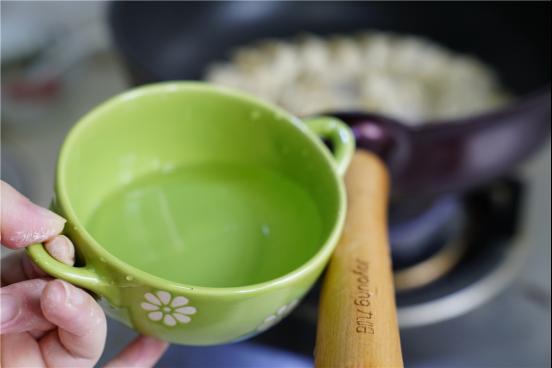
(177, 40)
(173, 40)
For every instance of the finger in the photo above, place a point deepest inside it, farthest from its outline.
(20, 307)
(61, 248)
(37, 334)
(20, 350)
(55, 354)
(80, 337)
(143, 351)
(23, 222)
(18, 267)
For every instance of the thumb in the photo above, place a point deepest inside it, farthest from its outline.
(24, 223)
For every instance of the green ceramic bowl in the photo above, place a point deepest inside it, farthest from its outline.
(200, 215)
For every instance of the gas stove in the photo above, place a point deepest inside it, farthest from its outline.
(458, 255)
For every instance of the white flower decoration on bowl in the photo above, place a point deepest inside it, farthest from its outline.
(163, 307)
(277, 317)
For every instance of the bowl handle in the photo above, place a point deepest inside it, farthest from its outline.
(84, 277)
(339, 134)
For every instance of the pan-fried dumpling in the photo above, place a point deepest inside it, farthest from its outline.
(405, 77)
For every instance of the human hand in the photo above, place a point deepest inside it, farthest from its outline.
(46, 322)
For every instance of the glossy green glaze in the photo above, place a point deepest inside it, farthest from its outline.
(200, 215)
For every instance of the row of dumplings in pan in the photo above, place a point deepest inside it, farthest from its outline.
(405, 77)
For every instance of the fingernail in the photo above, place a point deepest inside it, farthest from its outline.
(72, 296)
(57, 293)
(62, 249)
(9, 307)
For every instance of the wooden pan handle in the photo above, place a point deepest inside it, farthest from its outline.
(357, 325)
